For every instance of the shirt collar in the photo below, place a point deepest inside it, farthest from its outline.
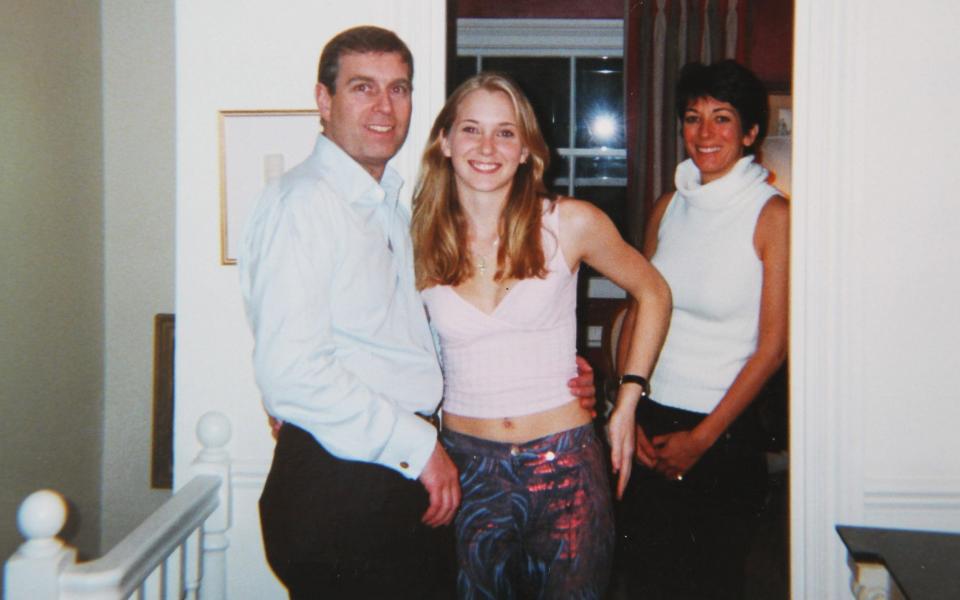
(354, 183)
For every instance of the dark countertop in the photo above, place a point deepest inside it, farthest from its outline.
(925, 564)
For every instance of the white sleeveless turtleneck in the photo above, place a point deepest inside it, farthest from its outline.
(705, 252)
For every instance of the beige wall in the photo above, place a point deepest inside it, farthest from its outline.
(51, 261)
(86, 248)
(139, 176)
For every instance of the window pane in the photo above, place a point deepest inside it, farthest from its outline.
(611, 200)
(557, 175)
(546, 82)
(601, 167)
(464, 67)
(599, 108)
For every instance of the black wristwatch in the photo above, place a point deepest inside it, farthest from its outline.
(641, 381)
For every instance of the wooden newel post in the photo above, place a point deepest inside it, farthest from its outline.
(213, 431)
(33, 572)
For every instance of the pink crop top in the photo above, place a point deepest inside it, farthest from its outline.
(518, 359)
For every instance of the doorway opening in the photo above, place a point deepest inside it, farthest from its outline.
(587, 71)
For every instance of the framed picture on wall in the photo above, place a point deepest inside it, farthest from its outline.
(777, 148)
(161, 460)
(781, 115)
(256, 146)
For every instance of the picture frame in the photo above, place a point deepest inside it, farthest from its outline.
(777, 150)
(256, 146)
(781, 115)
(161, 459)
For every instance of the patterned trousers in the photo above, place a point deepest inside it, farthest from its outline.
(536, 519)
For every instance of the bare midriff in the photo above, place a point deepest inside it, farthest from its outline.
(516, 430)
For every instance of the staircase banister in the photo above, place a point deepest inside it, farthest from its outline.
(130, 561)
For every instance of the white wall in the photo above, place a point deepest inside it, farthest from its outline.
(255, 55)
(138, 230)
(875, 287)
(51, 252)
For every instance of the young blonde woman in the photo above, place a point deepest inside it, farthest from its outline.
(496, 262)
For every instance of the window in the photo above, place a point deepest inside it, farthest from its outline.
(572, 71)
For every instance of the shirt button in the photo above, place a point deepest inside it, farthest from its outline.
(514, 450)
(404, 465)
(550, 456)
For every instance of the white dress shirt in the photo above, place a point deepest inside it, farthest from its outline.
(342, 346)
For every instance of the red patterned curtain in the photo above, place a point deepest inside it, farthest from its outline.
(660, 37)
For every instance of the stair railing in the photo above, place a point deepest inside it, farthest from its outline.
(177, 552)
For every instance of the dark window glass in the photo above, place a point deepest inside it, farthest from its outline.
(464, 67)
(560, 189)
(599, 110)
(611, 200)
(558, 173)
(546, 82)
(601, 166)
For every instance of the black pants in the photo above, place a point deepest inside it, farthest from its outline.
(689, 539)
(343, 529)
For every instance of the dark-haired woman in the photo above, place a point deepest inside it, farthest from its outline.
(721, 242)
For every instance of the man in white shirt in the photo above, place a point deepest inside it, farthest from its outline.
(343, 353)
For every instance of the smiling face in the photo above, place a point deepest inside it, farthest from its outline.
(369, 114)
(714, 137)
(484, 143)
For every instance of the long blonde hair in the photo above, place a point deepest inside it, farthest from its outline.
(439, 226)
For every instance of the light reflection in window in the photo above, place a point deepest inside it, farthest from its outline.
(604, 128)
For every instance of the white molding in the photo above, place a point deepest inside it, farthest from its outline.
(540, 37)
(429, 45)
(249, 474)
(825, 349)
(919, 495)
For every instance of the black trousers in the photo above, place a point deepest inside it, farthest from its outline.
(689, 539)
(334, 528)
